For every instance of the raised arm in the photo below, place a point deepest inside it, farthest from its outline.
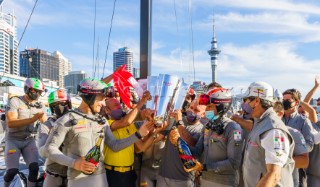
(117, 145)
(131, 116)
(311, 111)
(310, 94)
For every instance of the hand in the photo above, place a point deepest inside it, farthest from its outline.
(146, 128)
(161, 127)
(82, 165)
(174, 136)
(177, 115)
(146, 96)
(317, 81)
(37, 116)
(235, 116)
(188, 98)
(147, 114)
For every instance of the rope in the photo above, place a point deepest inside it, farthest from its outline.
(105, 60)
(192, 49)
(94, 38)
(25, 28)
(177, 27)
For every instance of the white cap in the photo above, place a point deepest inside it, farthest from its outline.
(260, 89)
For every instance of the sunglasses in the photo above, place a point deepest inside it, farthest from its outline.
(251, 98)
(89, 91)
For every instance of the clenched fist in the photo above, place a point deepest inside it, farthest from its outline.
(174, 136)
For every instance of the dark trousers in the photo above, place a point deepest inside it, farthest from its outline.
(119, 179)
(302, 177)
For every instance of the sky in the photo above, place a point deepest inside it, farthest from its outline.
(276, 41)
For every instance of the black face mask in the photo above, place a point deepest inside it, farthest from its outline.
(287, 104)
(60, 110)
(34, 95)
(192, 117)
(117, 114)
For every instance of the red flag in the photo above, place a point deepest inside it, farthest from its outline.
(122, 83)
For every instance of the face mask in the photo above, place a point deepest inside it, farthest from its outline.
(246, 116)
(211, 115)
(117, 114)
(192, 117)
(287, 104)
(34, 95)
(60, 110)
(246, 107)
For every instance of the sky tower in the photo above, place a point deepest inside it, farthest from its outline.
(214, 52)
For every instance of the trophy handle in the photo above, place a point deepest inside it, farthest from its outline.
(197, 167)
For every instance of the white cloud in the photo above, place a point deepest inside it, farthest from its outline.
(276, 23)
(240, 62)
(275, 63)
(279, 5)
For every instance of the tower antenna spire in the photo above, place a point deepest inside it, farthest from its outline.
(214, 51)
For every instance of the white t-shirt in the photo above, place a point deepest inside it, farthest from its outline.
(276, 145)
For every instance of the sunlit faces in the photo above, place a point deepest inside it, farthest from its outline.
(112, 104)
(98, 103)
(288, 102)
(36, 91)
(197, 109)
(253, 103)
(62, 103)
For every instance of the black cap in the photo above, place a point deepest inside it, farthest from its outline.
(318, 99)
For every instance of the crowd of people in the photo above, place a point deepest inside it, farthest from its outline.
(272, 141)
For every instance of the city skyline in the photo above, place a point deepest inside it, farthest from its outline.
(272, 41)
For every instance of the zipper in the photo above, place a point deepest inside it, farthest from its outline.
(91, 133)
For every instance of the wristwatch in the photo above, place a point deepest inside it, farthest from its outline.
(180, 122)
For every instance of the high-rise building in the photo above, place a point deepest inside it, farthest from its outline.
(214, 52)
(72, 80)
(123, 56)
(39, 64)
(64, 67)
(136, 73)
(8, 44)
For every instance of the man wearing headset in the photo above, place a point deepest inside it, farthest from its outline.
(23, 116)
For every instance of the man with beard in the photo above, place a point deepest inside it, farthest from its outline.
(171, 172)
(23, 116)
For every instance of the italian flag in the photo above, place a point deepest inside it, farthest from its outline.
(237, 135)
